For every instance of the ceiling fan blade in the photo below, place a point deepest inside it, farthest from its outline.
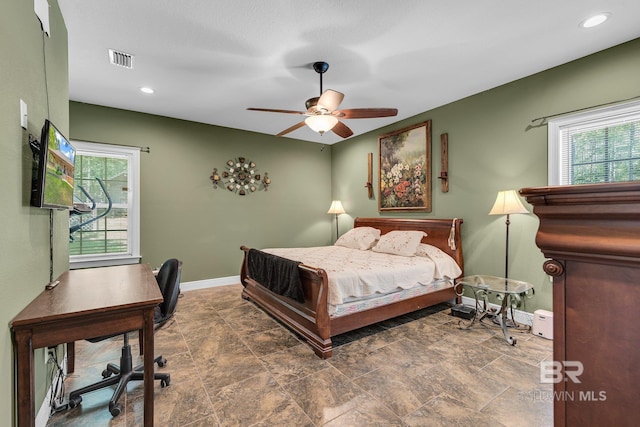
(365, 113)
(292, 128)
(330, 100)
(342, 130)
(271, 110)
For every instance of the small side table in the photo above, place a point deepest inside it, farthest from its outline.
(511, 292)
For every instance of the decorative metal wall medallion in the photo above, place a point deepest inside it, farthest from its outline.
(240, 176)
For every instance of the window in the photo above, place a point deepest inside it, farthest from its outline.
(597, 146)
(100, 238)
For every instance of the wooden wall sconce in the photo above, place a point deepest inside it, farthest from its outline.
(369, 184)
(444, 163)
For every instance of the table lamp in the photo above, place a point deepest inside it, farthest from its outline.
(337, 209)
(507, 203)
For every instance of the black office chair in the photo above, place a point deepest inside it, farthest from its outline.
(168, 279)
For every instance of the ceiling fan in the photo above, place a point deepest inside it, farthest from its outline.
(322, 113)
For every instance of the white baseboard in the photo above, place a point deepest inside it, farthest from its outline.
(209, 283)
(522, 317)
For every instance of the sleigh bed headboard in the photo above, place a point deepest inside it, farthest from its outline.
(441, 233)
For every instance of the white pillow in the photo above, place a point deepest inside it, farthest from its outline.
(445, 264)
(362, 238)
(397, 242)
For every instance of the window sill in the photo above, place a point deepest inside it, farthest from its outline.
(89, 262)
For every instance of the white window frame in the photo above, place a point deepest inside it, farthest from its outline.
(556, 153)
(133, 203)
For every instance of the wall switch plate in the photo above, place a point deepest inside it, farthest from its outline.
(23, 114)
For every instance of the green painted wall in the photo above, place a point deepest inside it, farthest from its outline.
(183, 216)
(24, 245)
(493, 145)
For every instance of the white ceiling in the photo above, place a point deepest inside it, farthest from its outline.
(208, 60)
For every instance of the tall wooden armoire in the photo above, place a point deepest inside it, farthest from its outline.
(591, 235)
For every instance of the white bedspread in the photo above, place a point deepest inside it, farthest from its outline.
(353, 273)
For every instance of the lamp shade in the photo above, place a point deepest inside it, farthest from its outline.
(507, 202)
(321, 122)
(336, 207)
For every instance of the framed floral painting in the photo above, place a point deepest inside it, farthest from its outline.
(405, 169)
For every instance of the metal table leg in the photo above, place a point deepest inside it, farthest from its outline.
(483, 311)
(502, 319)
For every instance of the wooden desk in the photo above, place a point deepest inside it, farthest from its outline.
(86, 304)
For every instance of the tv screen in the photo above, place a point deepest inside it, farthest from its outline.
(53, 170)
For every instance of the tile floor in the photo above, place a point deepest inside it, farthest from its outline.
(233, 365)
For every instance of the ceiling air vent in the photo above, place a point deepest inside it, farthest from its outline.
(121, 59)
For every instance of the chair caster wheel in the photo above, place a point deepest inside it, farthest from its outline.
(165, 383)
(116, 409)
(106, 373)
(74, 401)
(162, 362)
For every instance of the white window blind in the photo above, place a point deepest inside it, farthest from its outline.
(595, 147)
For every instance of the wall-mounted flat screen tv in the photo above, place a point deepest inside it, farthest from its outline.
(54, 165)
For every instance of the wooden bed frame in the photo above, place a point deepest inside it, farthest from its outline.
(311, 318)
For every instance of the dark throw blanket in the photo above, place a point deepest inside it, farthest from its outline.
(279, 275)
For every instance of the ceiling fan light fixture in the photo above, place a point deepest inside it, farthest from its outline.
(321, 123)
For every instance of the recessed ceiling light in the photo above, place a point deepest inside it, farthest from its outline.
(595, 20)
(146, 90)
